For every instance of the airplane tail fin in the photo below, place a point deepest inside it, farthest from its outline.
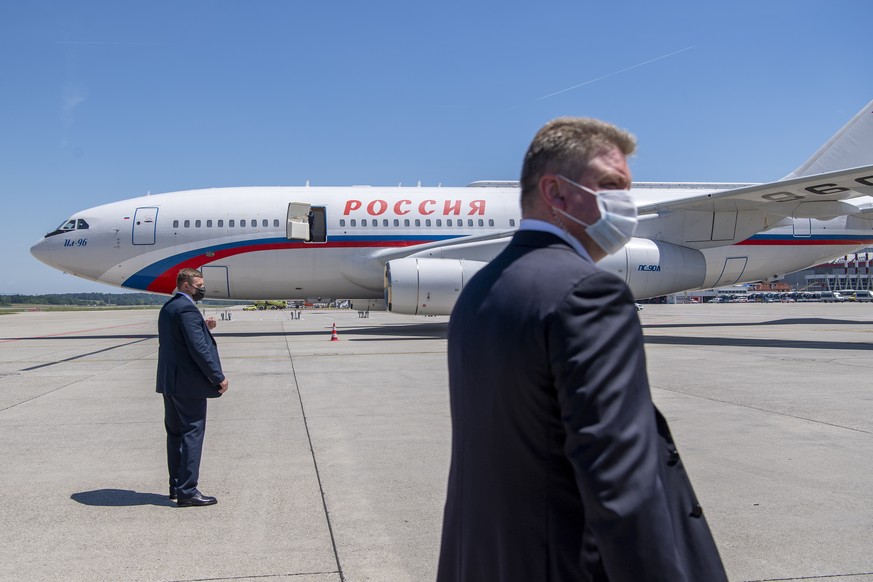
(850, 147)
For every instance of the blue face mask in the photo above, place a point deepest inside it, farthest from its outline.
(617, 222)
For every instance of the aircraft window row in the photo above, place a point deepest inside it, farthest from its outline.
(418, 222)
(230, 223)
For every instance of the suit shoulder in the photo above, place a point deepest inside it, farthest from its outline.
(602, 287)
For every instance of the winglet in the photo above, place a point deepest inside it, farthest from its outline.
(850, 147)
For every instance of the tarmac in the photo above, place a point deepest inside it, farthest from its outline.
(329, 458)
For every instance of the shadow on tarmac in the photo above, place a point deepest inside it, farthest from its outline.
(793, 321)
(381, 332)
(755, 343)
(120, 498)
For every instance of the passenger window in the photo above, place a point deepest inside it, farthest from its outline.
(405, 222)
(353, 222)
(396, 222)
(342, 221)
(197, 223)
(230, 223)
(208, 224)
(242, 222)
(417, 222)
(187, 223)
(276, 222)
(363, 222)
(469, 222)
(384, 222)
(439, 222)
(427, 222)
(265, 223)
(490, 222)
(481, 222)
(511, 222)
(175, 224)
(220, 223)
(460, 222)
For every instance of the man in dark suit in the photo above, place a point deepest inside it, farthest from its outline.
(562, 468)
(189, 372)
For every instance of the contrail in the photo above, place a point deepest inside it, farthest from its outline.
(614, 73)
(102, 42)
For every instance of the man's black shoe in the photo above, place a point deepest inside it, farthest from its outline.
(172, 494)
(196, 500)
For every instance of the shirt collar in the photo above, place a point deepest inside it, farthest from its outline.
(543, 226)
(191, 299)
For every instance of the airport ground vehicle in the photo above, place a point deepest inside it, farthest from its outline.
(862, 296)
(273, 304)
(832, 297)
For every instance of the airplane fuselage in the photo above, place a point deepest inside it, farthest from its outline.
(242, 240)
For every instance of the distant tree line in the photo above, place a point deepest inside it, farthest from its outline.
(96, 299)
(84, 299)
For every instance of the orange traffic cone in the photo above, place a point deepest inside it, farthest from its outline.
(333, 336)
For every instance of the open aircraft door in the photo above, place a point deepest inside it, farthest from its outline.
(144, 222)
(306, 223)
(297, 225)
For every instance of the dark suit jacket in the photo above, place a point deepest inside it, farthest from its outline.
(188, 363)
(562, 468)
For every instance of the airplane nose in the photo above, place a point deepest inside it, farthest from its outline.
(41, 252)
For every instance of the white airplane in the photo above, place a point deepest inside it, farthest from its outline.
(411, 250)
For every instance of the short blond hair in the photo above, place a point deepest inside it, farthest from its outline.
(566, 146)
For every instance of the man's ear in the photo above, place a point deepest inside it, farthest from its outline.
(550, 191)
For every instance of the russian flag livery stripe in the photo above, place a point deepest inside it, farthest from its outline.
(160, 277)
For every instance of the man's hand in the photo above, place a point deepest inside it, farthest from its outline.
(222, 388)
(211, 323)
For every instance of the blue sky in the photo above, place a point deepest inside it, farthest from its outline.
(106, 100)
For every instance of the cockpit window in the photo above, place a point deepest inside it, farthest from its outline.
(66, 226)
(81, 224)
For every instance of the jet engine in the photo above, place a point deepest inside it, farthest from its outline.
(654, 268)
(426, 286)
(415, 286)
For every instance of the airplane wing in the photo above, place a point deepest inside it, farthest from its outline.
(475, 247)
(724, 217)
(806, 197)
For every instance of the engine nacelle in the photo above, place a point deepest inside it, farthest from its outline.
(426, 286)
(416, 286)
(653, 268)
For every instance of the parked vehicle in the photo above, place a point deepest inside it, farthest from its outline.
(275, 304)
(863, 296)
(832, 297)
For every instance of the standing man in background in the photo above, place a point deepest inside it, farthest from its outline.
(562, 468)
(189, 372)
